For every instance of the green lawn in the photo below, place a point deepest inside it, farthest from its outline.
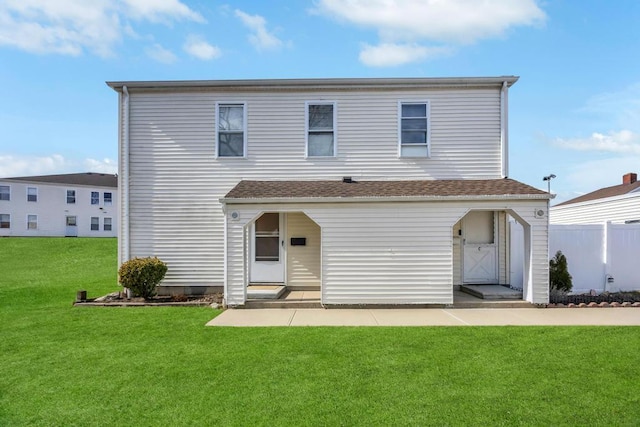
(61, 365)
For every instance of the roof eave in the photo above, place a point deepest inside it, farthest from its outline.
(329, 83)
(272, 200)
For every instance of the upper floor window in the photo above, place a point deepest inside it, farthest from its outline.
(414, 129)
(321, 125)
(5, 192)
(232, 132)
(95, 198)
(32, 222)
(5, 221)
(32, 194)
(71, 196)
(108, 199)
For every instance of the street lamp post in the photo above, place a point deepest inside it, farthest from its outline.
(548, 178)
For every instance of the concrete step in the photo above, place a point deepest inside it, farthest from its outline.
(282, 304)
(492, 292)
(265, 291)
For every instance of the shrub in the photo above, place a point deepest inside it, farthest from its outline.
(559, 277)
(142, 275)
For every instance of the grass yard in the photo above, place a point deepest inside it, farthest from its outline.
(61, 365)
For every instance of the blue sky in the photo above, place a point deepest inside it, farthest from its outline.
(575, 111)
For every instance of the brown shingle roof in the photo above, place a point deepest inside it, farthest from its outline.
(87, 178)
(247, 190)
(616, 190)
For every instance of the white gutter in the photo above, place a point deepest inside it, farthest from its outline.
(504, 128)
(123, 179)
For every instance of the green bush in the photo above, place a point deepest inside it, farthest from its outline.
(559, 277)
(142, 275)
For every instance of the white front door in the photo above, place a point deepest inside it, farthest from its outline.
(267, 249)
(480, 253)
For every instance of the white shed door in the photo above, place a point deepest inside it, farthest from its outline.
(480, 259)
(267, 249)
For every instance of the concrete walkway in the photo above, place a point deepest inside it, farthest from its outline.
(428, 317)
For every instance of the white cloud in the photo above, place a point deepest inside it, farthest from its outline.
(11, 166)
(201, 49)
(21, 165)
(411, 21)
(102, 166)
(72, 27)
(260, 37)
(160, 54)
(161, 10)
(458, 21)
(624, 141)
(391, 54)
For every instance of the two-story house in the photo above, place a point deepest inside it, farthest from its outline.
(374, 191)
(73, 205)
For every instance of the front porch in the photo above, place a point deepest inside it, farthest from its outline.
(310, 298)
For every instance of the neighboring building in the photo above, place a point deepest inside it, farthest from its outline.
(616, 204)
(74, 205)
(375, 191)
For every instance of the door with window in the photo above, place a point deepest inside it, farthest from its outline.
(480, 252)
(267, 249)
(72, 226)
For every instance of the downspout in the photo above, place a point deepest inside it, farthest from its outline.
(504, 128)
(124, 179)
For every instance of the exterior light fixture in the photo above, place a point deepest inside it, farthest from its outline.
(548, 178)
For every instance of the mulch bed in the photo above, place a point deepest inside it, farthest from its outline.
(118, 299)
(605, 297)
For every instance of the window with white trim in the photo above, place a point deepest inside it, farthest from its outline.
(5, 192)
(107, 224)
(32, 222)
(95, 197)
(32, 194)
(414, 129)
(71, 197)
(108, 198)
(321, 129)
(5, 221)
(232, 130)
(95, 223)
(72, 221)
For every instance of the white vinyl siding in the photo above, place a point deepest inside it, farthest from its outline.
(32, 194)
(303, 262)
(615, 209)
(413, 128)
(232, 130)
(321, 128)
(174, 173)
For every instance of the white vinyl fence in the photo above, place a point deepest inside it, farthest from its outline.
(602, 257)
